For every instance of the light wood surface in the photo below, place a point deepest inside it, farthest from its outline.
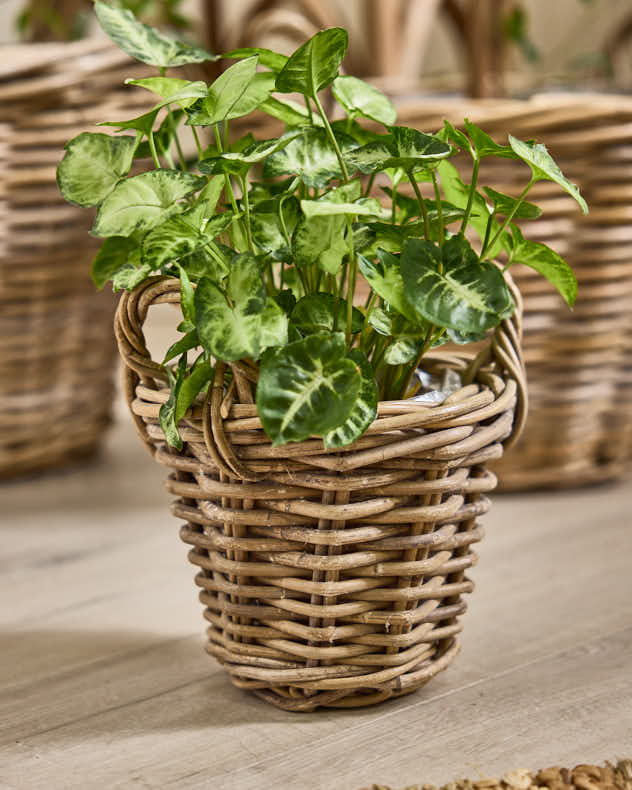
(104, 683)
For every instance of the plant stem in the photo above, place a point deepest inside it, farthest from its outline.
(428, 341)
(332, 137)
(198, 145)
(309, 109)
(488, 231)
(422, 205)
(470, 198)
(246, 199)
(351, 278)
(152, 148)
(369, 185)
(509, 217)
(439, 208)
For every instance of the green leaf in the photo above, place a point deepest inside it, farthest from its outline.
(403, 349)
(385, 279)
(145, 123)
(113, 254)
(174, 239)
(321, 312)
(267, 231)
(144, 201)
(92, 166)
(544, 167)
(359, 98)
(202, 263)
(454, 289)
(186, 343)
(129, 276)
(308, 388)
(206, 202)
(267, 57)
(484, 145)
(403, 147)
(320, 240)
(548, 263)
(237, 162)
(222, 100)
(456, 137)
(315, 64)
(238, 323)
(309, 155)
(328, 208)
(187, 295)
(165, 87)
(352, 129)
(289, 112)
(364, 409)
(191, 386)
(167, 413)
(143, 42)
(505, 204)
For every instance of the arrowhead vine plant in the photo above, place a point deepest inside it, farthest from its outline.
(273, 240)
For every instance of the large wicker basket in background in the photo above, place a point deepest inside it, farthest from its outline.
(57, 352)
(579, 363)
(331, 578)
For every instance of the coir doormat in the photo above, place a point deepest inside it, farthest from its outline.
(582, 777)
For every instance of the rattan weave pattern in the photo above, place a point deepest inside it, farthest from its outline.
(57, 351)
(579, 363)
(330, 578)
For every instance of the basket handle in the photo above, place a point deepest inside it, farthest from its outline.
(503, 352)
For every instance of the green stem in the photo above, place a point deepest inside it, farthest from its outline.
(428, 341)
(332, 137)
(488, 230)
(309, 109)
(509, 217)
(439, 208)
(470, 198)
(152, 148)
(369, 185)
(246, 199)
(351, 279)
(198, 144)
(422, 205)
(301, 277)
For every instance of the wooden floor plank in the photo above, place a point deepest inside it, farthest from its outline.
(104, 682)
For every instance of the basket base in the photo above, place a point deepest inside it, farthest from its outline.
(297, 699)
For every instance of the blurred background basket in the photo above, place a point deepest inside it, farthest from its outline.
(56, 342)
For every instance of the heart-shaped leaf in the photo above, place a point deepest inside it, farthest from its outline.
(321, 312)
(92, 166)
(484, 145)
(403, 349)
(145, 123)
(544, 167)
(309, 155)
(454, 289)
(320, 240)
(403, 147)
(315, 64)
(114, 253)
(364, 409)
(129, 276)
(289, 112)
(267, 57)
(169, 242)
(161, 86)
(385, 279)
(548, 263)
(221, 103)
(328, 208)
(143, 42)
(144, 201)
(505, 204)
(242, 161)
(308, 388)
(359, 98)
(238, 323)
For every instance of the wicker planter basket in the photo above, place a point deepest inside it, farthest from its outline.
(57, 351)
(331, 578)
(579, 363)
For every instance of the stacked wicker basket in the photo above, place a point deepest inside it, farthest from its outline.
(56, 343)
(579, 363)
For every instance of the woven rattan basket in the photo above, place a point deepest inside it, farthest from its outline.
(57, 351)
(579, 363)
(331, 578)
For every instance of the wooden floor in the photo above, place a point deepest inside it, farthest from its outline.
(105, 683)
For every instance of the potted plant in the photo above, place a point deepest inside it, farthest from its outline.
(328, 455)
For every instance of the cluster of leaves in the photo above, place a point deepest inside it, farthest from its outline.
(272, 239)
